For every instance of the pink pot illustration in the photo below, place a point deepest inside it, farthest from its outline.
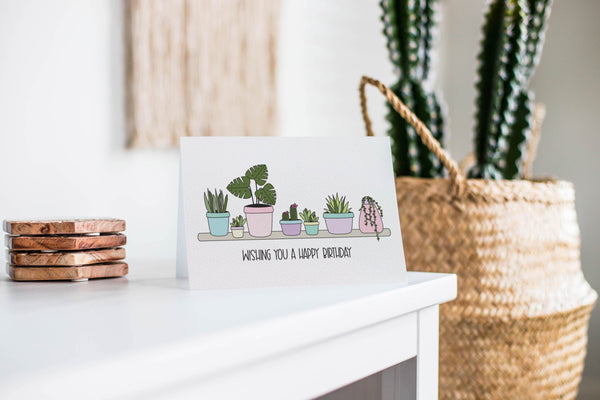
(370, 219)
(260, 219)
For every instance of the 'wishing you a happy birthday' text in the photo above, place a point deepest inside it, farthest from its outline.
(301, 253)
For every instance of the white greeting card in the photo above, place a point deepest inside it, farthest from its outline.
(258, 212)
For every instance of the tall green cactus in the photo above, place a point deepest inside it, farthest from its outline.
(409, 27)
(512, 41)
(539, 13)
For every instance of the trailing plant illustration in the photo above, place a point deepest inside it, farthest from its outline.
(511, 46)
(371, 216)
(410, 27)
(263, 192)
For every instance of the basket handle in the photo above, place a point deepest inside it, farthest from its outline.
(456, 178)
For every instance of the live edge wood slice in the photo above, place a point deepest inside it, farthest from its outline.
(32, 273)
(65, 258)
(64, 227)
(60, 243)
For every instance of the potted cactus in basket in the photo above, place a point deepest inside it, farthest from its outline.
(259, 214)
(311, 221)
(370, 218)
(504, 236)
(338, 215)
(237, 227)
(216, 212)
(291, 225)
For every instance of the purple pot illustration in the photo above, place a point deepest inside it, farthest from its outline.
(291, 228)
(339, 224)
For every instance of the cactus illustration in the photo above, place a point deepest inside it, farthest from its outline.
(294, 212)
(513, 36)
(285, 216)
(409, 27)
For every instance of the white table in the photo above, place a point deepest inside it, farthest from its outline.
(148, 337)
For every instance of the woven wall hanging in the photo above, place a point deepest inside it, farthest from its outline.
(200, 68)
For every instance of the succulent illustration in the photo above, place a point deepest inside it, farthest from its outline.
(337, 205)
(309, 216)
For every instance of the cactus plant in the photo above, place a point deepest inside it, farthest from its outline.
(513, 36)
(291, 215)
(409, 27)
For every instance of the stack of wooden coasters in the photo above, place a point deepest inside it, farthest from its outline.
(77, 249)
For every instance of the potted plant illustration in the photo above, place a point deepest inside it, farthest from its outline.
(338, 215)
(237, 226)
(259, 214)
(291, 225)
(216, 212)
(311, 221)
(370, 218)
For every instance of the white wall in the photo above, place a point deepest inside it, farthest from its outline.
(62, 127)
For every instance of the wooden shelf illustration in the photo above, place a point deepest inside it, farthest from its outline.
(276, 235)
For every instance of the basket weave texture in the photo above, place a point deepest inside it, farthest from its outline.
(518, 327)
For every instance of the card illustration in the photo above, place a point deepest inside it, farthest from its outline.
(268, 217)
(253, 185)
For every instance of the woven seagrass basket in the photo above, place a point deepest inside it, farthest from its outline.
(518, 328)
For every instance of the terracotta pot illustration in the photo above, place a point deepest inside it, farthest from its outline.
(260, 219)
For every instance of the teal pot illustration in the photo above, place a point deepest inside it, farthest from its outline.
(311, 228)
(218, 223)
(260, 219)
(339, 224)
(291, 228)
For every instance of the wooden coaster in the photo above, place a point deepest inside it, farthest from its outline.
(64, 227)
(65, 258)
(59, 243)
(105, 270)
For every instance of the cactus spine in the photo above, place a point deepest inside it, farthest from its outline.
(409, 26)
(512, 40)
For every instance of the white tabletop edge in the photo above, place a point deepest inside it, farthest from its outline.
(184, 360)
